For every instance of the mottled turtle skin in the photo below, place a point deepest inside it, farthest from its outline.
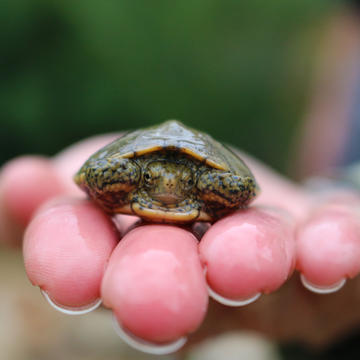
(167, 173)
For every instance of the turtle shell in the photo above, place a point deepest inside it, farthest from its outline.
(167, 173)
(173, 135)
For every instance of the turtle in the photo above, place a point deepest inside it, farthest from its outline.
(169, 173)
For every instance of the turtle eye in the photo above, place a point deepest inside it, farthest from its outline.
(147, 177)
(152, 173)
(188, 180)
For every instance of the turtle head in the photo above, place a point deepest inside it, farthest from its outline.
(167, 193)
(168, 182)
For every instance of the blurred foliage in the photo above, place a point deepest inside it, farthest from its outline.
(239, 70)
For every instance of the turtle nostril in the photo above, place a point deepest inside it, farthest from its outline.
(170, 184)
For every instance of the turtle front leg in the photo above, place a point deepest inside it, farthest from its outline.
(224, 191)
(109, 181)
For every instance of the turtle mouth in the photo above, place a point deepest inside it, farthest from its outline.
(170, 209)
(165, 207)
(167, 199)
(173, 213)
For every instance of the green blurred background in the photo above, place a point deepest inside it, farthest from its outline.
(238, 70)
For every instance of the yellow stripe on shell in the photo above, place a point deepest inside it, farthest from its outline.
(183, 150)
(198, 157)
(140, 152)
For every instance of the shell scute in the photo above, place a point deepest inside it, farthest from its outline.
(173, 135)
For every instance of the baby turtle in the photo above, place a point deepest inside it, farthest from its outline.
(167, 173)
